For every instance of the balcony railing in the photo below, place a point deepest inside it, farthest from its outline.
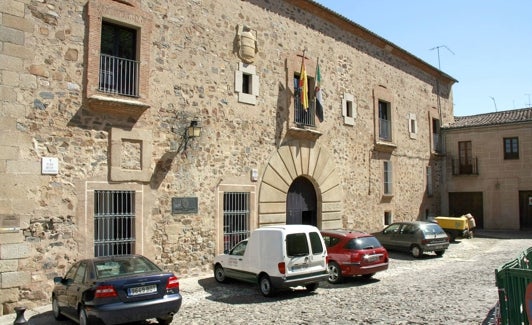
(304, 117)
(384, 130)
(119, 75)
(465, 167)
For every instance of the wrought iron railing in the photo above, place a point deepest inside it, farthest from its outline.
(384, 129)
(465, 166)
(304, 117)
(119, 75)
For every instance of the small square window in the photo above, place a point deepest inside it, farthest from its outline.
(247, 83)
(349, 109)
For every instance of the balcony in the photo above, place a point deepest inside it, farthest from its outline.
(119, 76)
(304, 120)
(463, 166)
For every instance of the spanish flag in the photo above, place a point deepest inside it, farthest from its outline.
(303, 84)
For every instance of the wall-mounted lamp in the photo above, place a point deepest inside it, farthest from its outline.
(192, 131)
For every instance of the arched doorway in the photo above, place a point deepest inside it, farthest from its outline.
(301, 206)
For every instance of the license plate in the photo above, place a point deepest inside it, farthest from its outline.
(142, 290)
(299, 267)
(371, 258)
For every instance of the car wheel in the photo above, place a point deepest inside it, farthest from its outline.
(440, 253)
(83, 319)
(335, 273)
(312, 286)
(219, 273)
(165, 321)
(416, 251)
(56, 309)
(265, 286)
(367, 276)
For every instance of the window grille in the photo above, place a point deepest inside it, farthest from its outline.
(236, 218)
(114, 223)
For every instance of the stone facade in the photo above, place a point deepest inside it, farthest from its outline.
(497, 191)
(55, 106)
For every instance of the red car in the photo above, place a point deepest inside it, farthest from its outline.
(353, 253)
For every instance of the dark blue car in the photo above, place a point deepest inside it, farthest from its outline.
(116, 290)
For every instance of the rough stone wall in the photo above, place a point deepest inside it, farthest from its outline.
(193, 61)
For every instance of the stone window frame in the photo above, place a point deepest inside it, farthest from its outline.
(117, 138)
(238, 184)
(86, 221)
(250, 70)
(349, 109)
(293, 68)
(381, 93)
(129, 14)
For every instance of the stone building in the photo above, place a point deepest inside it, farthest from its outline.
(173, 128)
(488, 169)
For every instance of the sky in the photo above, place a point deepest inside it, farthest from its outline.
(486, 45)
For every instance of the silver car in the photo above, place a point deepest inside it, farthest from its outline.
(416, 237)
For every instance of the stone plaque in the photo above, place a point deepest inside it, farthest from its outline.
(9, 223)
(184, 205)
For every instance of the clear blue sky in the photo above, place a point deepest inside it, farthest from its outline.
(491, 41)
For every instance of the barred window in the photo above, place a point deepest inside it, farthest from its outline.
(114, 223)
(236, 218)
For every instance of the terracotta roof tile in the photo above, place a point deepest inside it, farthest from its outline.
(497, 118)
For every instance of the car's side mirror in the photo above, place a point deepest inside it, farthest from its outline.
(58, 279)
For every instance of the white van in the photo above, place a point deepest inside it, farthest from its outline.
(276, 257)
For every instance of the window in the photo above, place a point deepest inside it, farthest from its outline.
(429, 181)
(236, 218)
(385, 122)
(349, 109)
(387, 218)
(412, 126)
(315, 242)
(247, 83)
(387, 177)
(119, 68)
(80, 273)
(114, 223)
(436, 141)
(297, 245)
(330, 241)
(465, 157)
(511, 148)
(304, 116)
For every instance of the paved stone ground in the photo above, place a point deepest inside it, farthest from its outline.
(458, 288)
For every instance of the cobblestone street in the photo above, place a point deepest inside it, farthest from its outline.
(458, 288)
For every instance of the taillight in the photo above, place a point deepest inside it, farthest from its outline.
(282, 267)
(355, 257)
(107, 291)
(173, 283)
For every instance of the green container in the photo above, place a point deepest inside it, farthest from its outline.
(513, 279)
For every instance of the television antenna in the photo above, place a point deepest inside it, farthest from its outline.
(437, 48)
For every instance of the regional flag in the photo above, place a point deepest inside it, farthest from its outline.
(317, 93)
(303, 85)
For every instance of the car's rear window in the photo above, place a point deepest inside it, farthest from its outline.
(297, 245)
(432, 229)
(315, 242)
(363, 243)
(123, 266)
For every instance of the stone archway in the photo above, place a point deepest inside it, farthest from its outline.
(292, 160)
